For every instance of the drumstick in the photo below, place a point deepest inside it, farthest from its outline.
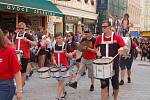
(115, 57)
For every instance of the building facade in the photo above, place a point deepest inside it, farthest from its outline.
(78, 14)
(145, 18)
(31, 12)
(134, 10)
(109, 8)
(117, 7)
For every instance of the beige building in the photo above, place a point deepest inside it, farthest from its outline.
(77, 14)
(134, 10)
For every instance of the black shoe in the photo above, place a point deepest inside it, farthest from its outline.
(64, 95)
(30, 74)
(73, 85)
(27, 77)
(84, 73)
(67, 84)
(121, 82)
(129, 80)
(92, 88)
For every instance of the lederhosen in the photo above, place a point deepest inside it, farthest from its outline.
(126, 60)
(111, 52)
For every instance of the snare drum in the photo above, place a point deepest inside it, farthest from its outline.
(103, 68)
(65, 73)
(44, 72)
(56, 72)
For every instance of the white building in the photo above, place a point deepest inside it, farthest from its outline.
(78, 13)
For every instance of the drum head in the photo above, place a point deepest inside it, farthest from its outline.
(43, 69)
(102, 61)
(55, 69)
(64, 69)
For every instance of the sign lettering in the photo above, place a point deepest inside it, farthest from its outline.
(27, 9)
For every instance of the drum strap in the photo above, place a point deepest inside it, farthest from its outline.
(19, 38)
(107, 42)
(58, 52)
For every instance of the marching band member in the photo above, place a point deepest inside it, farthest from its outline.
(117, 46)
(71, 48)
(88, 55)
(24, 45)
(127, 60)
(60, 59)
(9, 69)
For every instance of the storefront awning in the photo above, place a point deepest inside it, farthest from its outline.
(43, 7)
(77, 13)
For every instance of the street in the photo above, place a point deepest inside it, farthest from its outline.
(46, 89)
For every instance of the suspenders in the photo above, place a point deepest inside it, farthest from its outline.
(107, 42)
(58, 52)
(19, 38)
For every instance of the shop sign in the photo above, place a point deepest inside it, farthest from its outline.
(89, 21)
(146, 34)
(71, 19)
(25, 9)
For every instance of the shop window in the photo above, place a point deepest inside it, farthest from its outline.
(92, 2)
(86, 1)
(8, 21)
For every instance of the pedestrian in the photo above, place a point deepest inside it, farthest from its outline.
(88, 56)
(144, 52)
(127, 59)
(116, 23)
(116, 46)
(71, 48)
(125, 24)
(25, 43)
(9, 69)
(60, 59)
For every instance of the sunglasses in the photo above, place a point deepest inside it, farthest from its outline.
(104, 27)
(68, 35)
(20, 28)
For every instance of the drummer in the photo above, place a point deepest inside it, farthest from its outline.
(117, 46)
(24, 46)
(88, 56)
(59, 48)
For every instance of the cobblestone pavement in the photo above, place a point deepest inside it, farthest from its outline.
(46, 89)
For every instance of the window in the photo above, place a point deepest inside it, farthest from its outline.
(92, 2)
(86, 1)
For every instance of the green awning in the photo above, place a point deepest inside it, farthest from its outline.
(44, 7)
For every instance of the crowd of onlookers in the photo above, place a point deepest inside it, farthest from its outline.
(145, 50)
